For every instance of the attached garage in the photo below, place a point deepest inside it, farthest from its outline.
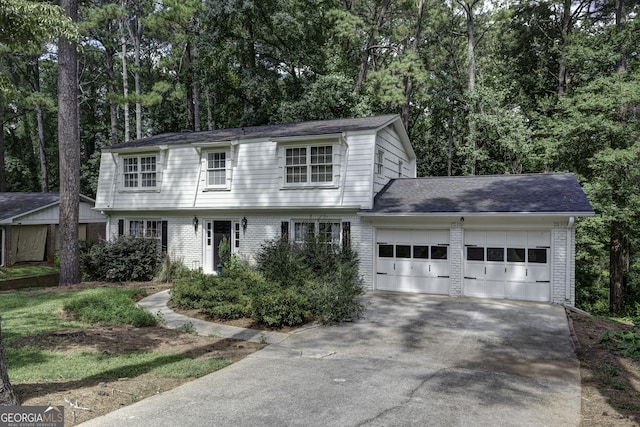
(499, 236)
(413, 260)
(507, 264)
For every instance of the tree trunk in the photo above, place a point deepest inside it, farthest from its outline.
(8, 396)
(621, 20)
(44, 177)
(364, 61)
(618, 253)
(137, 41)
(69, 152)
(564, 34)
(408, 83)
(111, 92)
(196, 92)
(125, 79)
(189, 85)
(3, 173)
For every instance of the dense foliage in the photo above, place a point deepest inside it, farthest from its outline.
(483, 87)
(289, 287)
(121, 260)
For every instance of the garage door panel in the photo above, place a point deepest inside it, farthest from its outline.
(495, 289)
(538, 291)
(516, 273)
(475, 270)
(474, 287)
(438, 285)
(384, 282)
(421, 268)
(516, 290)
(538, 273)
(439, 268)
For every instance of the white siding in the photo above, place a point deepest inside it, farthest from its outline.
(256, 177)
(388, 141)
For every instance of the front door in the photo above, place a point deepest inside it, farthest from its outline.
(215, 231)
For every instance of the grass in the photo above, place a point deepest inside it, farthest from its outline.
(29, 270)
(27, 314)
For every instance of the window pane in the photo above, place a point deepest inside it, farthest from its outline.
(403, 251)
(475, 254)
(495, 254)
(515, 254)
(537, 256)
(148, 179)
(329, 232)
(216, 177)
(321, 155)
(296, 156)
(421, 252)
(322, 173)
(148, 164)
(439, 252)
(296, 174)
(385, 251)
(136, 228)
(303, 231)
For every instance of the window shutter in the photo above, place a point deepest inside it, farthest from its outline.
(164, 238)
(284, 230)
(346, 235)
(120, 227)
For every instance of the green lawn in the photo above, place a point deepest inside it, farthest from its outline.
(28, 270)
(27, 314)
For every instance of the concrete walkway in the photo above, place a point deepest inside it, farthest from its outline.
(413, 360)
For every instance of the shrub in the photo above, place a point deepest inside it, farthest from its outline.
(281, 307)
(124, 259)
(282, 263)
(111, 307)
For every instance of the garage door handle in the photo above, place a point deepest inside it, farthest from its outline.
(444, 277)
(467, 277)
(543, 281)
(382, 273)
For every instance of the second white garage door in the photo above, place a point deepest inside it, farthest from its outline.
(508, 264)
(413, 261)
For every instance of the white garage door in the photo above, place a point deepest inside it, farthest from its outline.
(508, 264)
(413, 261)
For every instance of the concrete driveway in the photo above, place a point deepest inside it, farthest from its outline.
(413, 360)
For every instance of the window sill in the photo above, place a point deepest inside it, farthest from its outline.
(133, 190)
(206, 190)
(310, 187)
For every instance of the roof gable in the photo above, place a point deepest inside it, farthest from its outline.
(532, 193)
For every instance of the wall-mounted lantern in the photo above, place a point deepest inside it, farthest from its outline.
(244, 224)
(195, 223)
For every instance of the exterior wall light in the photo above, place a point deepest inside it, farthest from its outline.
(195, 223)
(244, 224)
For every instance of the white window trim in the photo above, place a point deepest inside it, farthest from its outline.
(379, 162)
(229, 153)
(316, 227)
(122, 159)
(336, 156)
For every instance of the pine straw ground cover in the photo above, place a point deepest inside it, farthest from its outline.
(610, 382)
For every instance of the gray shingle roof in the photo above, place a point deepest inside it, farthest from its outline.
(532, 193)
(16, 204)
(320, 127)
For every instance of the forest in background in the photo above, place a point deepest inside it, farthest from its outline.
(483, 87)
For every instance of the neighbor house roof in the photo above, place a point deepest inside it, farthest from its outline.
(14, 205)
(530, 193)
(283, 130)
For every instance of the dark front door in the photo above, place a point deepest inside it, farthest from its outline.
(221, 229)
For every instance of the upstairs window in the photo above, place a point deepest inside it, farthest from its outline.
(140, 172)
(217, 169)
(379, 162)
(309, 165)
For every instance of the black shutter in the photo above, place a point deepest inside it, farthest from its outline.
(346, 235)
(284, 230)
(120, 227)
(164, 238)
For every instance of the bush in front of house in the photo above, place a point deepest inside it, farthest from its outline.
(290, 285)
(121, 260)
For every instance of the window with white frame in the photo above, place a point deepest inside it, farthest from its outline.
(217, 169)
(379, 161)
(326, 231)
(140, 172)
(309, 165)
(145, 228)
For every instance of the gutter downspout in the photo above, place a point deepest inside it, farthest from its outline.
(567, 286)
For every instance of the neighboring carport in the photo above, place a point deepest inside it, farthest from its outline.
(499, 236)
(29, 226)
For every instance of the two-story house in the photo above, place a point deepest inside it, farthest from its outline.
(506, 236)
